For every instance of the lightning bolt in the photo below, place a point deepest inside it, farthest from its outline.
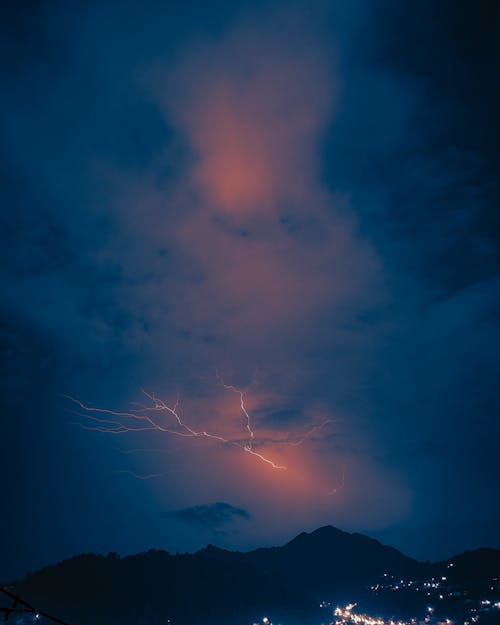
(158, 416)
(138, 420)
(248, 447)
(310, 432)
(341, 483)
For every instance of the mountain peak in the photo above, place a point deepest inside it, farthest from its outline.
(328, 530)
(325, 533)
(212, 549)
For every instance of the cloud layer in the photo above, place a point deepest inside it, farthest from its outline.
(302, 198)
(212, 516)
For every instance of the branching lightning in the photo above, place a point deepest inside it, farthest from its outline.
(158, 416)
(248, 446)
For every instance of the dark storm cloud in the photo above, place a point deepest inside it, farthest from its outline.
(211, 516)
(109, 163)
(442, 179)
(24, 358)
(432, 207)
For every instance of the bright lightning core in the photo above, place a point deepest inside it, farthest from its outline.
(155, 415)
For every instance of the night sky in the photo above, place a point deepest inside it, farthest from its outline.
(297, 202)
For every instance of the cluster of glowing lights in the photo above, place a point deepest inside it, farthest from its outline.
(345, 616)
(409, 584)
(158, 416)
(445, 591)
(264, 621)
(430, 587)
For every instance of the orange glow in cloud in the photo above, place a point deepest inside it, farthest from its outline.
(233, 425)
(275, 252)
(271, 272)
(253, 114)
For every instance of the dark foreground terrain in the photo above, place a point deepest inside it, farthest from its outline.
(300, 582)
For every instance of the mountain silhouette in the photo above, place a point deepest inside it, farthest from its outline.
(329, 558)
(215, 585)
